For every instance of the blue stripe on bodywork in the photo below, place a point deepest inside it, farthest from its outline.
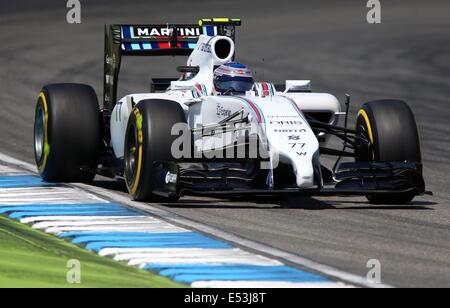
(205, 91)
(127, 32)
(146, 46)
(247, 102)
(272, 89)
(209, 30)
(154, 45)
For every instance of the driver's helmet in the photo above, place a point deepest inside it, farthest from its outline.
(233, 77)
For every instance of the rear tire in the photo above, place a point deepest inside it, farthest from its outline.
(67, 133)
(391, 128)
(148, 140)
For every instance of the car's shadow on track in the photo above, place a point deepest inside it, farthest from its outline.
(300, 203)
(272, 202)
(115, 185)
(413, 205)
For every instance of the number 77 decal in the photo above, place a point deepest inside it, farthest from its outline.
(297, 147)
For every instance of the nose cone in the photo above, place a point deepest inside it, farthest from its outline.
(290, 138)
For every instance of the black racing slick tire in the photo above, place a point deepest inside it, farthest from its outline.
(391, 129)
(67, 133)
(148, 140)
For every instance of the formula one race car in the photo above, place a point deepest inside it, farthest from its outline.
(214, 131)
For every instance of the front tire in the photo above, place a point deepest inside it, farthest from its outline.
(390, 127)
(67, 133)
(148, 140)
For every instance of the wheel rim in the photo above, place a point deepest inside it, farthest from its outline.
(364, 149)
(39, 134)
(131, 156)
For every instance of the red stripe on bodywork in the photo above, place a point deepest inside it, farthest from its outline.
(199, 87)
(258, 114)
(265, 89)
(164, 45)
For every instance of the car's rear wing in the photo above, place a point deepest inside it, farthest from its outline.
(154, 40)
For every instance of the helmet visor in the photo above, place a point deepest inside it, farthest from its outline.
(238, 84)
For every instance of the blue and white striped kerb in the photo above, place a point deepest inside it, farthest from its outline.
(113, 230)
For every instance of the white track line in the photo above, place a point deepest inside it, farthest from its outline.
(24, 165)
(189, 254)
(111, 252)
(9, 171)
(43, 189)
(178, 220)
(161, 228)
(35, 219)
(53, 195)
(201, 260)
(47, 201)
(90, 223)
(34, 193)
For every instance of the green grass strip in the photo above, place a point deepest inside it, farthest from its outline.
(30, 258)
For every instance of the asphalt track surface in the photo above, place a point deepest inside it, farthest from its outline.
(406, 57)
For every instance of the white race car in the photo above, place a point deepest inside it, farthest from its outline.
(187, 136)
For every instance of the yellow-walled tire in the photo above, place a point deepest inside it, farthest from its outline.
(148, 140)
(391, 128)
(67, 133)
